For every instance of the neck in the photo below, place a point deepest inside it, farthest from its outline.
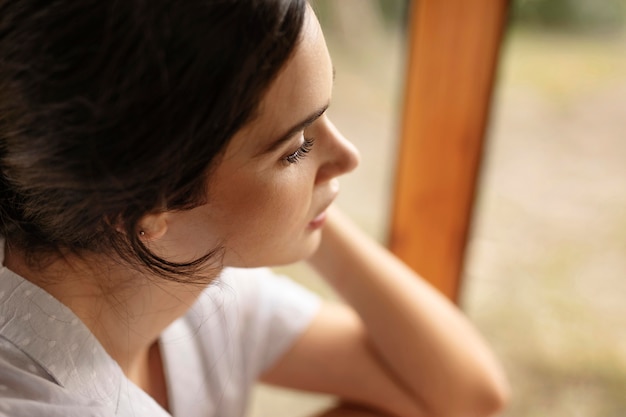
(124, 309)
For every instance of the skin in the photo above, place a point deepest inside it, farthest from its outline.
(261, 205)
(260, 211)
(397, 348)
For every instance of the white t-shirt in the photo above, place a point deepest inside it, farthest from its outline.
(51, 365)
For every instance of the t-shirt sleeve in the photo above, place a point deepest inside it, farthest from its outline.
(273, 312)
(239, 327)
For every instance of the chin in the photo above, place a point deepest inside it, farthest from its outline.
(308, 248)
(285, 255)
(297, 253)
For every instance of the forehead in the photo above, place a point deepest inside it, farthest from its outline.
(306, 74)
(303, 85)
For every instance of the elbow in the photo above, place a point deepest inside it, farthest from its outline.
(492, 400)
(487, 393)
(484, 399)
(488, 400)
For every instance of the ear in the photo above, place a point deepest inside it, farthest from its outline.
(153, 226)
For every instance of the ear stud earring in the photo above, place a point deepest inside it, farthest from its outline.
(142, 233)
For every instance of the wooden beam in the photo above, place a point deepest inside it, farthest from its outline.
(452, 58)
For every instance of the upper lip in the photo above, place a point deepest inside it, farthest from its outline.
(325, 206)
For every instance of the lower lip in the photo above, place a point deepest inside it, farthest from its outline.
(318, 222)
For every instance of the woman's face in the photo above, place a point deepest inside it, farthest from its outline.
(268, 194)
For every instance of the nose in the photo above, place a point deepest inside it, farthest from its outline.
(340, 155)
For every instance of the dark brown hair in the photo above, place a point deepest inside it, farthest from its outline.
(112, 109)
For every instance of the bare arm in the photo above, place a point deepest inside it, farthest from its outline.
(414, 343)
(347, 410)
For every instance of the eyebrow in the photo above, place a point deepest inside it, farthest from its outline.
(295, 129)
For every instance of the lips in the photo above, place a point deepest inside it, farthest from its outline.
(319, 220)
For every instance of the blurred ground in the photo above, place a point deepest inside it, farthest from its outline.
(546, 275)
(546, 281)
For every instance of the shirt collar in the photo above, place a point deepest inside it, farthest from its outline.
(54, 337)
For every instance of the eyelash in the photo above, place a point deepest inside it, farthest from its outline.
(301, 152)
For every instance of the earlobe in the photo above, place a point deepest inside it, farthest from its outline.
(153, 226)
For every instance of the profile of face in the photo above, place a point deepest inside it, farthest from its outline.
(268, 193)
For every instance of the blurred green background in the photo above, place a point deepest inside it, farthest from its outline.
(554, 15)
(545, 279)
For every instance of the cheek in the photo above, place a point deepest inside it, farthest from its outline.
(258, 211)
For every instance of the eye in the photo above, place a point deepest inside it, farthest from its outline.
(301, 152)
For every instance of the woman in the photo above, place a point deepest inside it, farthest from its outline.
(152, 156)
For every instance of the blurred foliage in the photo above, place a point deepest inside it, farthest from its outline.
(554, 15)
(392, 12)
(570, 15)
(323, 10)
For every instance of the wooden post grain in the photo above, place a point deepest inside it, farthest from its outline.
(452, 57)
